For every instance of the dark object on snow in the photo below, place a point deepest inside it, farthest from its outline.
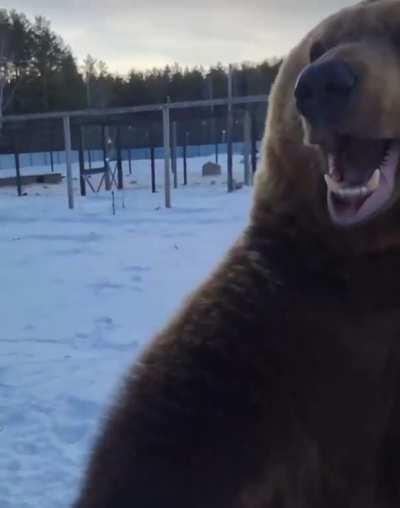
(211, 169)
(50, 178)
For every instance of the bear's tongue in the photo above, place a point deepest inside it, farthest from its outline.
(357, 159)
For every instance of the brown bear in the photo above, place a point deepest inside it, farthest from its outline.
(278, 384)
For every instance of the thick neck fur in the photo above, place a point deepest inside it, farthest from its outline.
(362, 264)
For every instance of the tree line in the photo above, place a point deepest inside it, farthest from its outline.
(39, 73)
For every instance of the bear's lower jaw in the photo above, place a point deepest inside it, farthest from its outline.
(357, 194)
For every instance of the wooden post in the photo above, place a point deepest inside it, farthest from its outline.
(18, 171)
(167, 155)
(51, 161)
(107, 179)
(113, 202)
(130, 160)
(82, 162)
(103, 143)
(215, 138)
(120, 179)
(153, 169)
(253, 143)
(185, 142)
(230, 132)
(68, 160)
(247, 148)
(174, 155)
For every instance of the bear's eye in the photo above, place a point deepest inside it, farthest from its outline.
(316, 50)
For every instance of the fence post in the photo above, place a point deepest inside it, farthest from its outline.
(230, 132)
(247, 147)
(185, 144)
(107, 179)
(167, 155)
(253, 143)
(51, 161)
(82, 162)
(90, 158)
(18, 172)
(120, 179)
(68, 160)
(153, 169)
(130, 160)
(174, 155)
(214, 137)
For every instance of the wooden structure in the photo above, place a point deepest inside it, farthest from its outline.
(46, 178)
(109, 176)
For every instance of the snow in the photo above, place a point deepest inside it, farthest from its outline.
(81, 292)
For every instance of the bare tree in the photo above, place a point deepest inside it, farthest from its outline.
(5, 57)
(89, 72)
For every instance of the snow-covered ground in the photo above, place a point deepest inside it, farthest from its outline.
(80, 293)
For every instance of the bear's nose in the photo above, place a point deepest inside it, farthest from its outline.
(323, 91)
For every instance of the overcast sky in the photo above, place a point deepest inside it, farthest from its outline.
(146, 33)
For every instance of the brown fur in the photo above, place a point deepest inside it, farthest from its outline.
(277, 385)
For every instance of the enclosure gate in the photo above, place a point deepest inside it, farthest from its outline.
(109, 176)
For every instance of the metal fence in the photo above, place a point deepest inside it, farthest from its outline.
(81, 136)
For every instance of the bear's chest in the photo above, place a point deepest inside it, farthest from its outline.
(344, 379)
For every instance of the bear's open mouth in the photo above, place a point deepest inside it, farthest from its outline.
(361, 178)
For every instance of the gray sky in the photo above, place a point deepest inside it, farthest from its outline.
(146, 33)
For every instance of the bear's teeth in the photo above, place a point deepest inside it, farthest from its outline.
(331, 164)
(353, 192)
(362, 190)
(333, 185)
(374, 181)
(332, 169)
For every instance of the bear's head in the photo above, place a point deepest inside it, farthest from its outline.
(331, 151)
